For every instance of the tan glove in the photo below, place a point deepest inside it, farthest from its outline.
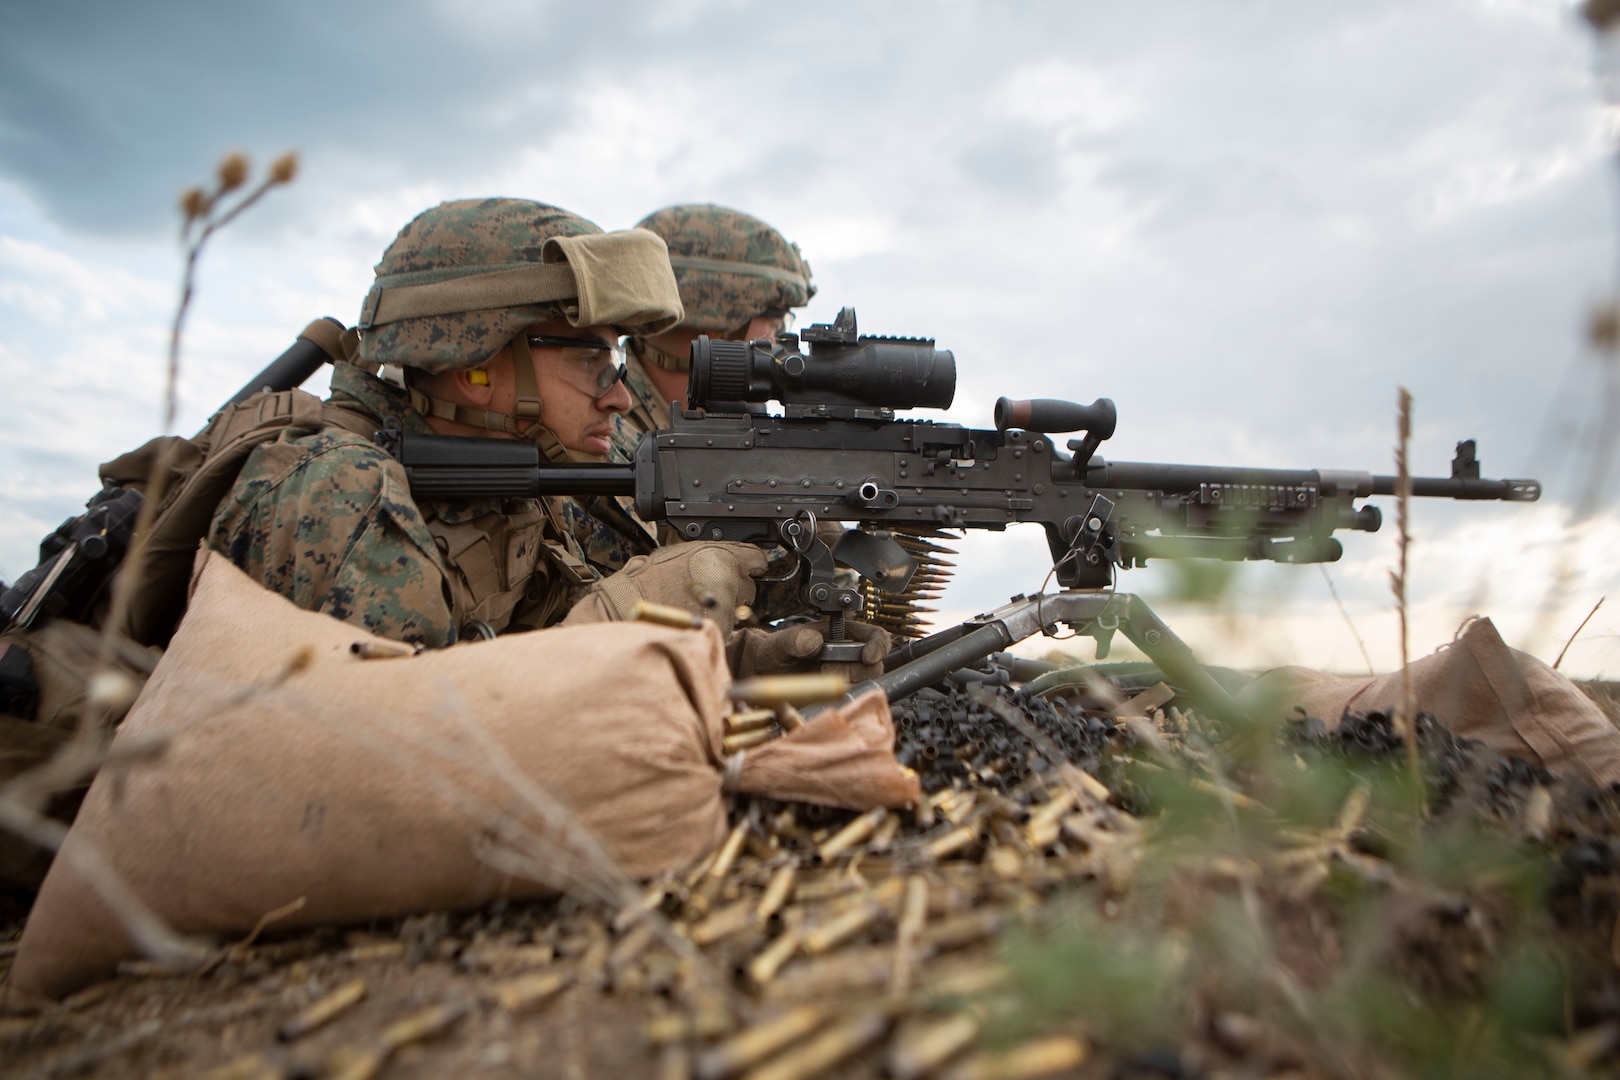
(707, 578)
(792, 649)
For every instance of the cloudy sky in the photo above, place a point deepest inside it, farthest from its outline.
(1247, 223)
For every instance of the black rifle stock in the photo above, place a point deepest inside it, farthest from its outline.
(729, 470)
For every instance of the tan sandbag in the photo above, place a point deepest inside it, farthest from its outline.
(1477, 687)
(842, 757)
(380, 787)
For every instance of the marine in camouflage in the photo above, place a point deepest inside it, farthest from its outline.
(730, 266)
(326, 519)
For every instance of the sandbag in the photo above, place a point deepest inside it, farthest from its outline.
(371, 788)
(1477, 687)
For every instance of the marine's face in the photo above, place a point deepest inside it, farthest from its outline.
(574, 402)
(579, 391)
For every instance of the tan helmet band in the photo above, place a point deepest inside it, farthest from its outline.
(728, 266)
(510, 286)
(618, 279)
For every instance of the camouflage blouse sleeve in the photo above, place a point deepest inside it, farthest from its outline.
(325, 521)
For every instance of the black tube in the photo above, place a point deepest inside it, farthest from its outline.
(1426, 487)
(287, 371)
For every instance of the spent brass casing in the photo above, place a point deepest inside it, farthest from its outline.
(913, 917)
(323, 1010)
(1051, 811)
(1043, 1057)
(707, 1021)
(789, 717)
(648, 901)
(789, 689)
(736, 916)
(958, 839)
(665, 615)
(852, 834)
(383, 650)
(840, 928)
(777, 892)
(921, 1048)
(750, 720)
(526, 992)
(729, 850)
(959, 931)
(742, 740)
(631, 945)
(593, 963)
(769, 960)
(759, 1042)
(883, 837)
(675, 1062)
(833, 1046)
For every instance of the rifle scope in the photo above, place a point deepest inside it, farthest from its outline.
(842, 369)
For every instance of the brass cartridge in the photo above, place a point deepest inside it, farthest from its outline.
(323, 1010)
(921, 1048)
(789, 689)
(834, 1045)
(852, 834)
(759, 1042)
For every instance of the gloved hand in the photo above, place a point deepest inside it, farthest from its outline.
(753, 652)
(707, 578)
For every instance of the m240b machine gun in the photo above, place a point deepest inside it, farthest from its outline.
(727, 469)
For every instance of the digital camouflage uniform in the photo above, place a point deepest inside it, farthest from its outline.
(326, 518)
(731, 267)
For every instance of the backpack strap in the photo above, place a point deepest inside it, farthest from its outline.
(182, 521)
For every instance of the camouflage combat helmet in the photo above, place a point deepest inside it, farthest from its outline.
(731, 267)
(460, 280)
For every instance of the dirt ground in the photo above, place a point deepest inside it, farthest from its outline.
(1132, 898)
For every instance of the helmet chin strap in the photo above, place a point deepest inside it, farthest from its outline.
(522, 422)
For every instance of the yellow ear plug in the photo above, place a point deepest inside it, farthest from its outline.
(478, 377)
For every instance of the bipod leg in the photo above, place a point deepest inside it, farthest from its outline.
(1175, 658)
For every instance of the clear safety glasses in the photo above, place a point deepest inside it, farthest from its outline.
(590, 365)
